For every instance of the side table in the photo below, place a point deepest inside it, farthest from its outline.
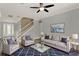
(75, 46)
(0, 47)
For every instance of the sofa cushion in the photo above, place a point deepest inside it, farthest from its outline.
(55, 37)
(55, 42)
(61, 44)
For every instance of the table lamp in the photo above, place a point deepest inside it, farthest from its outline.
(42, 33)
(74, 36)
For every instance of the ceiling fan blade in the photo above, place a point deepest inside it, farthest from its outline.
(46, 10)
(41, 4)
(49, 6)
(37, 11)
(34, 7)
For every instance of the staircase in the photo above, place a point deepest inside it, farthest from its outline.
(26, 24)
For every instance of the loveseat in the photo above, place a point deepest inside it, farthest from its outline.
(10, 45)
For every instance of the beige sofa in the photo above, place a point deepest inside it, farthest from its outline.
(58, 44)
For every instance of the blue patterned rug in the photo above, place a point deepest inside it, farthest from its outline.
(28, 51)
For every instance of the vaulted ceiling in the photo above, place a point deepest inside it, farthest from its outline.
(19, 10)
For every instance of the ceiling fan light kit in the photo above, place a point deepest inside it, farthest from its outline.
(43, 8)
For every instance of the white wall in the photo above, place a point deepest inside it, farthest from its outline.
(70, 19)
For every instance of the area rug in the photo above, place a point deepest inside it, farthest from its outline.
(29, 51)
(40, 48)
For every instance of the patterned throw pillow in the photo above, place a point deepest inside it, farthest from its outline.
(11, 40)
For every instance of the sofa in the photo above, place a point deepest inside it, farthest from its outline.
(56, 43)
(9, 47)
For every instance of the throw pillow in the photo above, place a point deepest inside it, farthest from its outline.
(11, 41)
(64, 40)
(28, 38)
(46, 36)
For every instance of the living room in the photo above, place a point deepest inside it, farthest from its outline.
(53, 33)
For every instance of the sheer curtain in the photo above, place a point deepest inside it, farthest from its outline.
(8, 29)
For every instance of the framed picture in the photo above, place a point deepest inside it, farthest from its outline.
(57, 28)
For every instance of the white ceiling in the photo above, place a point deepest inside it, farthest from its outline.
(18, 10)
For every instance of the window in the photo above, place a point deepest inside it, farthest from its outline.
(8, 29)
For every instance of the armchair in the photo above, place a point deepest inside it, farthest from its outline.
(10, 47)
(27, 40)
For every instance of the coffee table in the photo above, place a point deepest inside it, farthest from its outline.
(39, 45)
(41, 48)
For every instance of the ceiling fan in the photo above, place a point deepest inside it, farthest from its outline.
(43, 8)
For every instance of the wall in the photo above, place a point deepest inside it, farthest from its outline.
(34, 30)
(1, 29)
(17, 27)
(70, 19)
(9, 20)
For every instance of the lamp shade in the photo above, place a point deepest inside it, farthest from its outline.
(42, 8)
(75, 36)
(42, 33)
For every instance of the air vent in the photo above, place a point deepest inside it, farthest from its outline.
(10, 16)
(22, 4)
